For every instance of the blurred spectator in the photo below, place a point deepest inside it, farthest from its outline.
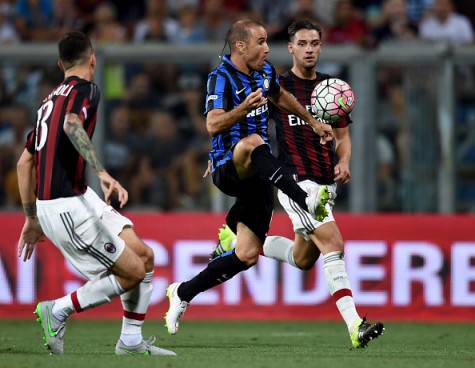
(156, 26)
(120, 144)
(106, 28)
(8, 33)
(394, 24)
(14, 122)
(187, 108)
(348, 26)
(271, 12)
(33, 18)
(214, 23)
(157, 181)
(141, 99)
(188, 31)
(446, 25)
(416, 9)
(300, 9)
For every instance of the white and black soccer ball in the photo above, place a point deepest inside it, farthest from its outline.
(332, 99)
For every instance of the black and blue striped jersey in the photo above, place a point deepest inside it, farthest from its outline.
(227, 88)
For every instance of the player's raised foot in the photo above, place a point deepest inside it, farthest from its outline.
(317, 201)
(52, 329)
(364, 332)
(226, 241)
(175, 310)
(146, 348)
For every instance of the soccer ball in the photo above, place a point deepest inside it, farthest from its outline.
(332, 99)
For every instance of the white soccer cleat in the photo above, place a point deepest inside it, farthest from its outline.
(317, 201)
(146, 347)
(175, 310)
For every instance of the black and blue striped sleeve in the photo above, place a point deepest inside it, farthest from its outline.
(216, 96)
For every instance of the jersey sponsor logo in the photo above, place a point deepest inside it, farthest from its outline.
(296, 121)
(260, 110)
(109, 247)
(240, 91)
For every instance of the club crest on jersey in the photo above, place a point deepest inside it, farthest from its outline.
(266, 84)
(109, 247)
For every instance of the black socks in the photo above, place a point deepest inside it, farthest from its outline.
(269, 168)
(218, 271)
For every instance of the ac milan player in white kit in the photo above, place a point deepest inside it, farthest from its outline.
(99, 242)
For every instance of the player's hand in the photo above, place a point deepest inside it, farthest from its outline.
(325, 131)
(30, 235)
(110, 186)
(254, 100)
(208, 170)
(342, 172)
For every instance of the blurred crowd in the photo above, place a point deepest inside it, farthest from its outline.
(156, 142)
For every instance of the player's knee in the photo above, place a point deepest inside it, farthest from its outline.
(136, 273)
(148, 259)
(305, 263)
(248, 144)
(248, 256)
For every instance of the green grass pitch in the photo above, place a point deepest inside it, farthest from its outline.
(245, 344)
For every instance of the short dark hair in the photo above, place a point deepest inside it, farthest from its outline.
(239, 31)
(303, 24)
(74, 47)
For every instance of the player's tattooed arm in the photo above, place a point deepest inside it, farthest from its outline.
(78, 136)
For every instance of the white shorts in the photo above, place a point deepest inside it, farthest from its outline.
(302, 221)
(85, 229)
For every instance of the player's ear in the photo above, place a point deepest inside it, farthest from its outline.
(290, 48)
(60, 65)
(92, 61)
(241, 46)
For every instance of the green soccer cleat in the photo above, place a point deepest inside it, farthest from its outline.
(226, 241)
(317, 201)
(146, 348)
(364, 332)
(53, 330)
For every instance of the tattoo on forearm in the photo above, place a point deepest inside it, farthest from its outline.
(80, 140)
(29, 209)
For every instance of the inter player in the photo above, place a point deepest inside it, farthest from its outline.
(314, 166)
(99, 242)
(241, 161)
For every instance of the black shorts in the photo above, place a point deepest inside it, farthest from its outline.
(254, 199)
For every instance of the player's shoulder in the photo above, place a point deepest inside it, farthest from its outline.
(268, 68)
(87, 88)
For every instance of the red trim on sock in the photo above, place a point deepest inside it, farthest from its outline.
(76, 305)
(136, 316)
(341, 293)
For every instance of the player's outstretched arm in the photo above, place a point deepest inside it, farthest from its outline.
(284, 100)
(73, 127)
(218, 120)
(31, 232)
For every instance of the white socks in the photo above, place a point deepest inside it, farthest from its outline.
(339, 285)
(92, 294)
(279, 248)
(135, 304)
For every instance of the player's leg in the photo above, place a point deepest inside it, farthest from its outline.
(75, 230)
(252, 156)
(250, 217)
(330, 242)
(135, 303)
